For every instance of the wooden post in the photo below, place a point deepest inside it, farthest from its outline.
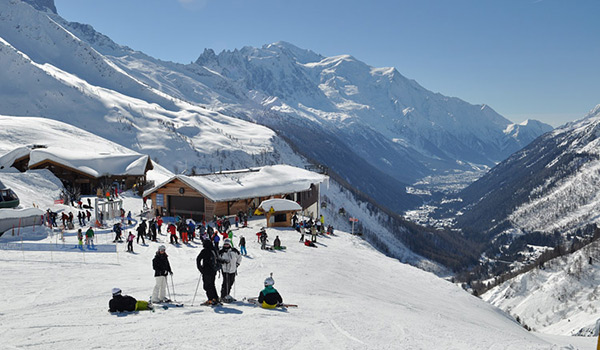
(598, 333)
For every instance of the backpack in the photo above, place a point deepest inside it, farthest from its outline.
(215, 261)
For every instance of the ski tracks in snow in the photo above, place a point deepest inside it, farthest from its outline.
(345, 333)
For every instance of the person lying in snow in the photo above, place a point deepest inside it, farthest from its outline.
(308, 243)
(120, 303)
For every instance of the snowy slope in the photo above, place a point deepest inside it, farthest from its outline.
(51, 73)
(560, 299)
(59, 299)
(550, 185)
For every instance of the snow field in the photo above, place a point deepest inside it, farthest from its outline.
(349, 295)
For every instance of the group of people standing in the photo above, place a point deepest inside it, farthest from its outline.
(209, 262)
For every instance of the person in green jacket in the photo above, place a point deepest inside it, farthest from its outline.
(269, 298)
(89, 237)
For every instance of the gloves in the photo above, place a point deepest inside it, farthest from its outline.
(170, 272)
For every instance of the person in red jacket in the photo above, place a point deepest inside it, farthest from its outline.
(173, 231)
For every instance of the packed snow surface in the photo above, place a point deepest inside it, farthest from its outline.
(349, 295)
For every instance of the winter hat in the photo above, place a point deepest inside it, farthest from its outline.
(227, 241)
(162, 248)
(269, 281)
(116, 291)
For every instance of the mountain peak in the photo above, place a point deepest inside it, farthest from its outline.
(43, 5)
(300, 55)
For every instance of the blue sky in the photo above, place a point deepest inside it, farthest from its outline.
(535, 59)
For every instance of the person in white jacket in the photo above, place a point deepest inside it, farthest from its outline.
(231, 258)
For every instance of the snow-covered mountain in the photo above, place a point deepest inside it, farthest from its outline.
(317, 108)
(49, 72)
(560, 298)
(550, 185)
(381, 117)
(381, 131)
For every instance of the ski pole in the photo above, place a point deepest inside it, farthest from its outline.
(173, 285)
(197, 285)
(168, 291)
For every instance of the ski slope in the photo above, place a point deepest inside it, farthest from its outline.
(349, 295)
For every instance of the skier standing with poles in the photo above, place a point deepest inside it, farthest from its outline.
(162, 268)
(208, 264)
(231, 260)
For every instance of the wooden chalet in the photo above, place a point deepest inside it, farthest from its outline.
(227, 193)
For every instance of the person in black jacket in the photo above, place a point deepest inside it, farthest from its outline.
(208, 264)
(141, 231)
(121, 303)
(162, 268)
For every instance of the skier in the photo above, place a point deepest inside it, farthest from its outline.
(231, 260)
(162, 268)
(243, 245)
(216, 240)
(191, 230)
(208, 263)
(80, 238)
(117, 230)
(89, 237)
(159, 222)
(308, 243)
(120, 303)
(277, 243)
(129, 217)
(152, 230)
(322, 219)
(173, 232)
(141, 230)
(269, 298)
(263, 239)
(130, 239)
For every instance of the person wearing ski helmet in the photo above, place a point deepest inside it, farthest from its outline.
(231, 260)
(162, 268)
(269, 297)
(120, 303)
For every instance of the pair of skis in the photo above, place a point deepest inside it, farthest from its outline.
(254, 301)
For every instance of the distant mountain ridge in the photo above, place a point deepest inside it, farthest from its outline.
(382, 131)
(550, 185)
(418, 128)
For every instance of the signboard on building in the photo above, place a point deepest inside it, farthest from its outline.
(160, 200)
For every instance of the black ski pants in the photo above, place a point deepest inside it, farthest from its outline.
(228, 279)
(208, 283)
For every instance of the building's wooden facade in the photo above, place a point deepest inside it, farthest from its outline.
(280, 218)
(176, 198)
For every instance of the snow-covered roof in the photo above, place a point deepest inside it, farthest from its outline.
(279, 204)
(250, 183)
(8, 159)
(94, 164)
